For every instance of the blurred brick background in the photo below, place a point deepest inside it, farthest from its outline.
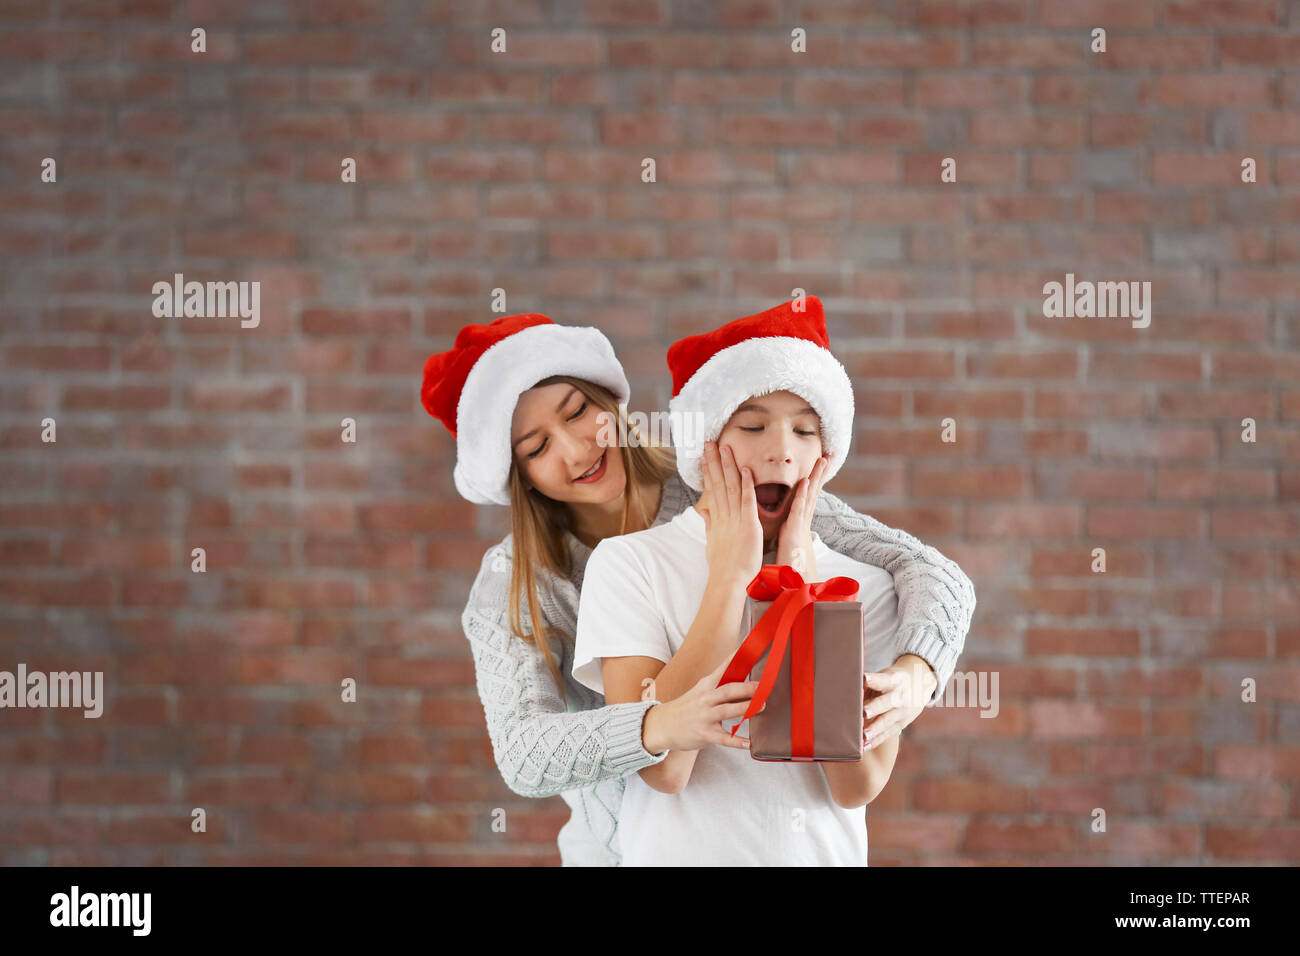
(522, 171)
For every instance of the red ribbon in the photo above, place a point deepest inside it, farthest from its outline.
(790, 616)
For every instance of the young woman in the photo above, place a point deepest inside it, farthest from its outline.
(524, 399)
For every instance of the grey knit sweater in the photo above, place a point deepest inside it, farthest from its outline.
(583, 753)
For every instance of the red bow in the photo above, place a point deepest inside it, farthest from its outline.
(790, 615)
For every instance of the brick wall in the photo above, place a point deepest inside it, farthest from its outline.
(521, 171)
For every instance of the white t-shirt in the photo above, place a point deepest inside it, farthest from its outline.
(640, 595)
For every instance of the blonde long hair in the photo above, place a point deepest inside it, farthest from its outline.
(539, 524)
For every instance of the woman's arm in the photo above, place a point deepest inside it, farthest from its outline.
(533, 737)
(936, 599)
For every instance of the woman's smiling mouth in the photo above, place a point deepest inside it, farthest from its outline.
(594, 473)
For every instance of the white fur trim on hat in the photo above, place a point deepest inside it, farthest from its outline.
(760, 366)
(505, 371)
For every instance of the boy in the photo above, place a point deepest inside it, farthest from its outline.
(781, 410)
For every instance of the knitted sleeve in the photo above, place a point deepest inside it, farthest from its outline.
(936, 599)
(541, 748)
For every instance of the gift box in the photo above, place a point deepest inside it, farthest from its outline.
(812, 702)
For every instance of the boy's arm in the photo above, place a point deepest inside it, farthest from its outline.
(936, 599)
(857, 784)
(712, 639)
(623, 677)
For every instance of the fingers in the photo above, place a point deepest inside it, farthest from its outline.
(881, 680)
(706, 480)
(805, 499)
(881, 705)
(876, 734)
(726, 482)
(748, 501)
(800, 503)
(740, 690)
(729, 711)
(819, 472)
(873, 729)
(726, 740)
(816, 479)
(796, 499)
(712, 470)
(731, 477)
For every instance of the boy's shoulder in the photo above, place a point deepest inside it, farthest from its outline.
(652, 546)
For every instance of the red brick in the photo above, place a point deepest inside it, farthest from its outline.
(1276, 841)
(1082, 642)
(27, 787)
(1146, 841)
(666, 50)
(1088, 13)
(967, 796)
(1273, 128)
(119, 789)
(160, 829)
(308, 827)
(417, 126)
(974, 13)
(1082, 799)
(987, 836)
(301, 47)
(1233, 14)
(1026, 129)
(1136, 51)
(1259, 49)
(969, 88)
(917, 831)
(919, 50)
(1213, 90)
(1196, 169)
(1023, 520)
(1256, 762)
(1050, 718)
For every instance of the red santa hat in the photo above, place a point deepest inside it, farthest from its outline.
(782, 349)
(473, 389)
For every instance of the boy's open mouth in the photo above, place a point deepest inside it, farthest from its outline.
(772, 498)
